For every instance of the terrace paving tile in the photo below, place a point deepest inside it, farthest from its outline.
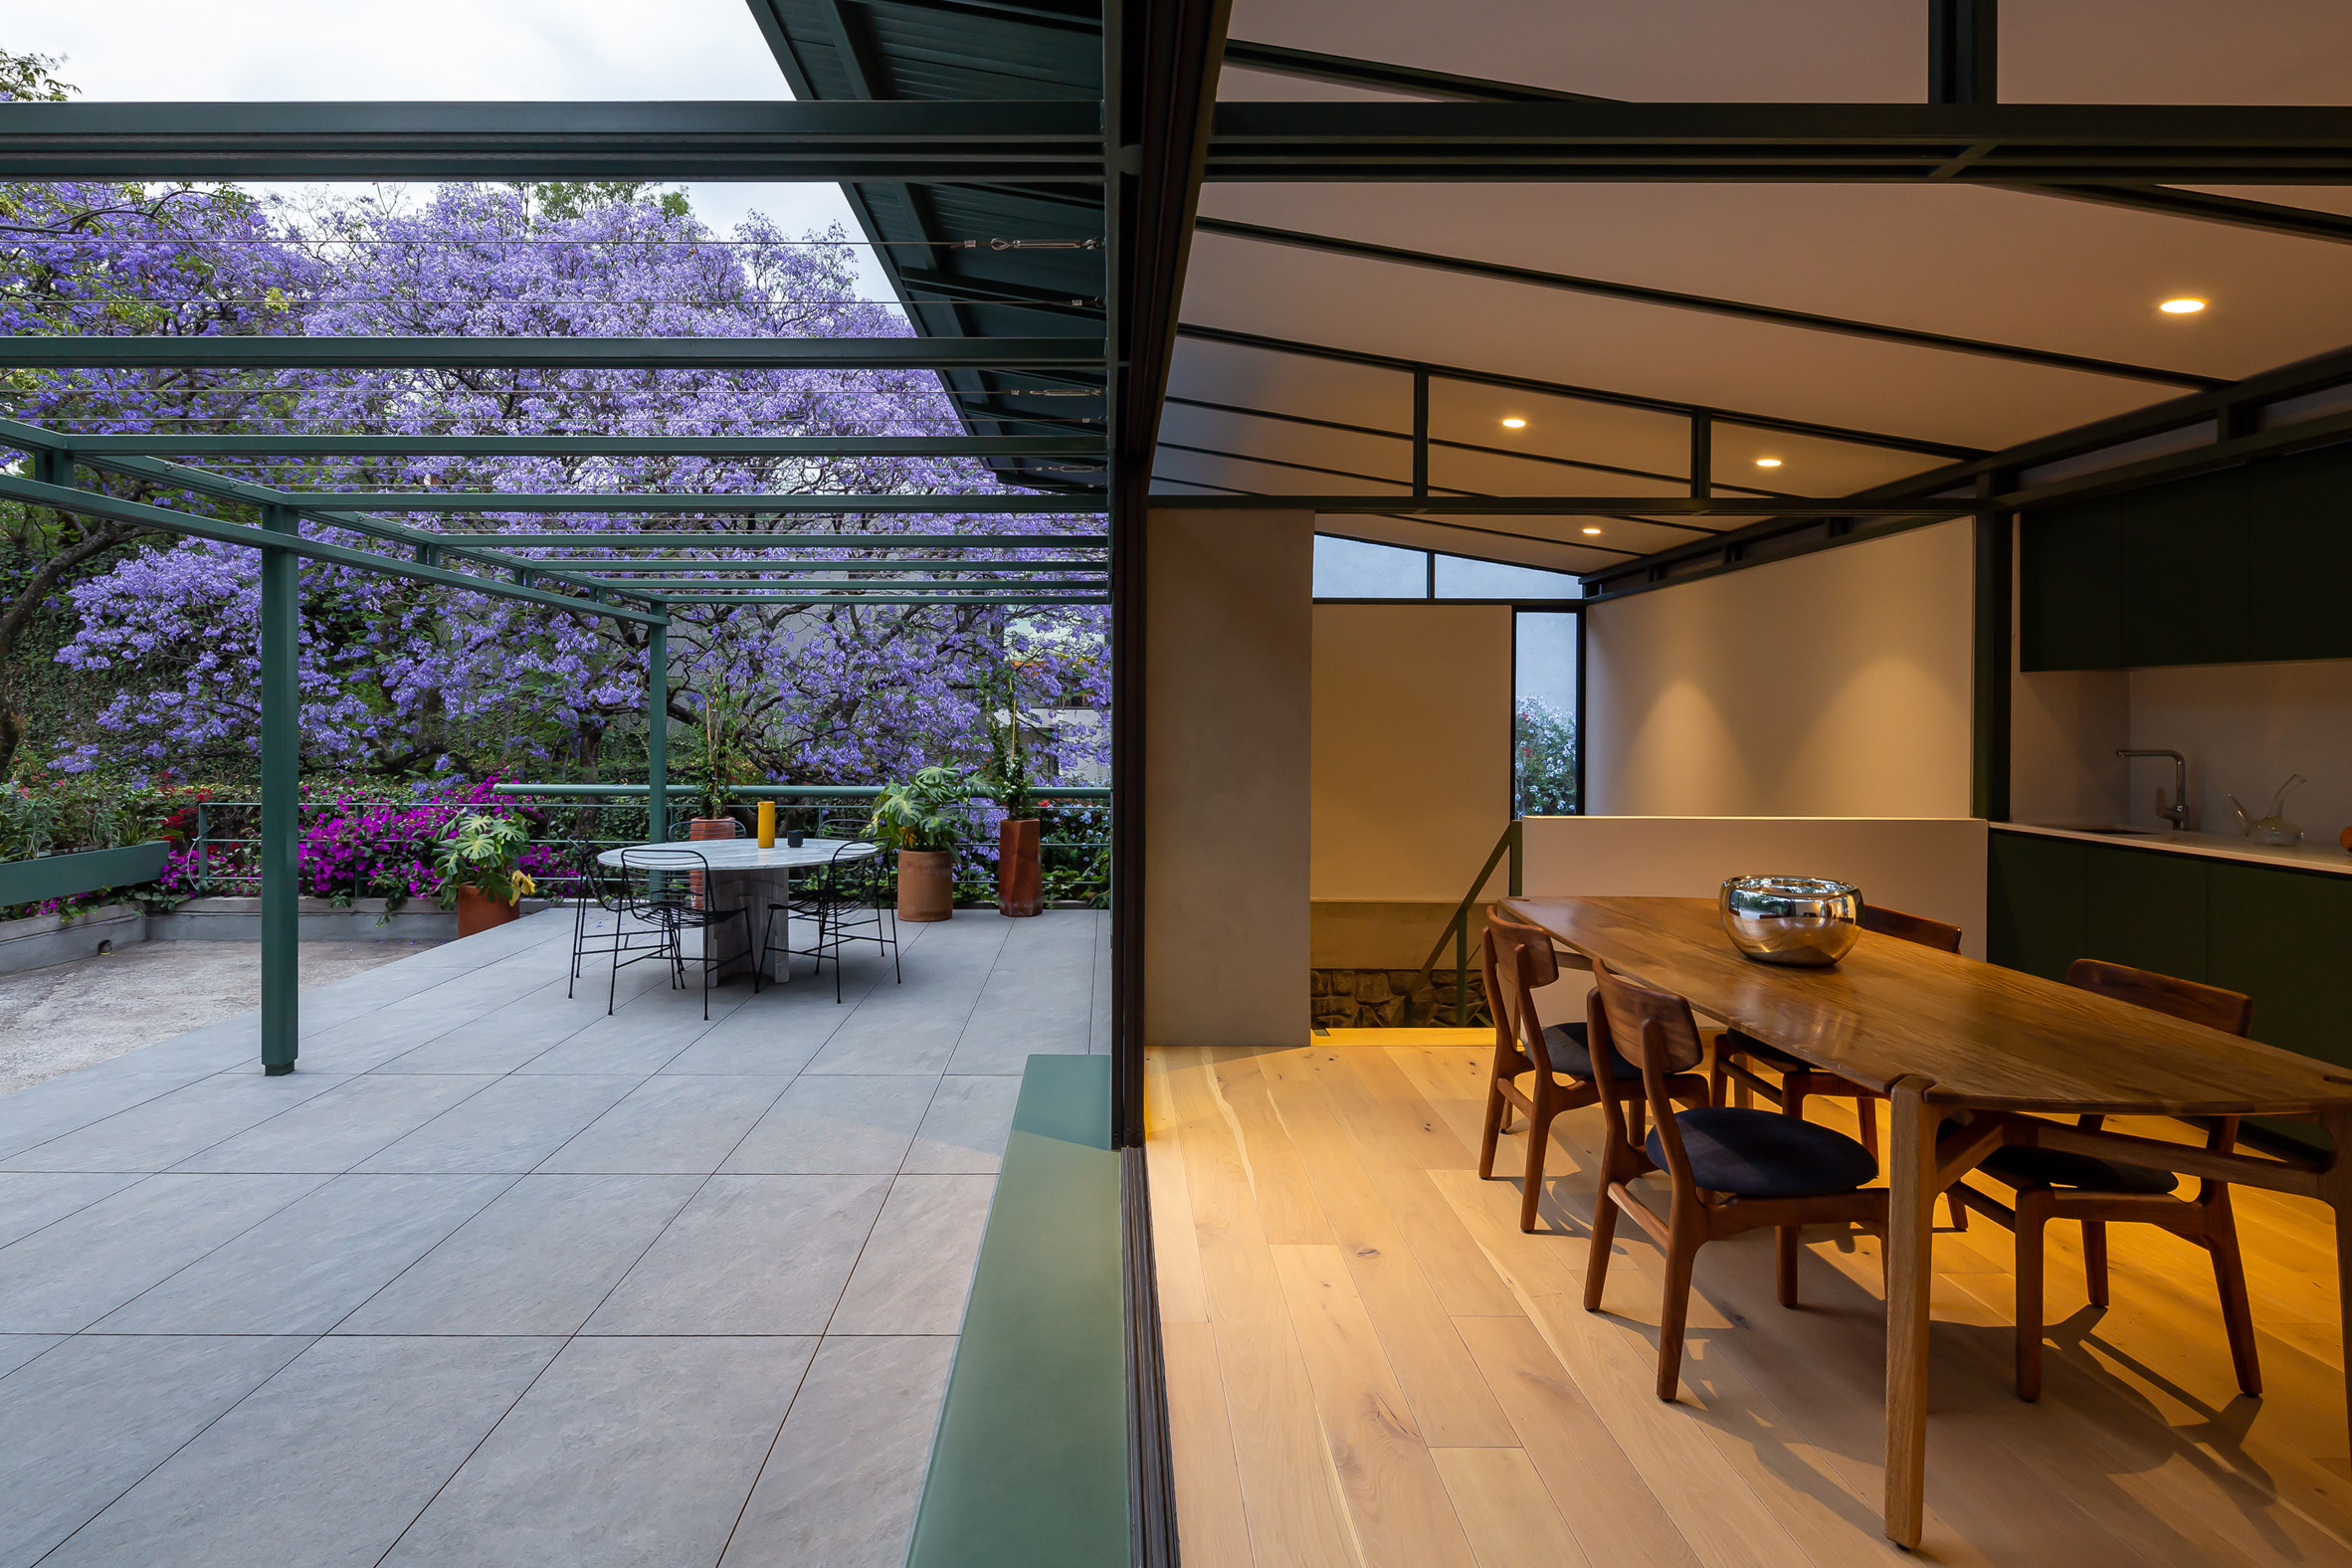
(65, 1277)
(328, 1462)
(17, 1349)
(964, 1130)
(30, 1200)
(313, 1262)
(624, 1451)
(91, 1416)
(511, 1125)
(823, 1124)
(917, 1268)
(157, 1133)
(538, 1261)
(841, 1484)
(334, 1131)
(750, 1254)
(682, 1125)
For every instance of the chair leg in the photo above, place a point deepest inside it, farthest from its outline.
(1674, 1310)
(1499, 1112)
(1785, 1239)
(2228, 1278)
(1865, 1115)
(1636, 1117)
(1957, 1209)
(2094, 1259)
(1539, 1137)
(2032, 1214)
(1596, 1266)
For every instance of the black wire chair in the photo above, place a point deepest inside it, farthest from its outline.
(600, 890)
(671, 889)
(851, 901)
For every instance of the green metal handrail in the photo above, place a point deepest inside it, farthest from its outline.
(1458, 927)
(776, 791)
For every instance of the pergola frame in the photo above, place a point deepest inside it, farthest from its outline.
(1110, 172)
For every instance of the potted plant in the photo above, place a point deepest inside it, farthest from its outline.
(1020, 872)
(720, 767)
(918, 819)
(480, 865)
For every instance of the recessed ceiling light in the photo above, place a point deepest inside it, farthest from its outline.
(1592, 530)
(2183, 306)
(1514, 423)
(1768, 463)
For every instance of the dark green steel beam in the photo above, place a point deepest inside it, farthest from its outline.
(656, 541)
(602, 571)
(2305, 223)
(282, 772)
(1042, 141)
(2001, 143)
(1631, 508)
(1634, 294)
(993, 599)
(179, 477)
(308, 445)
(672, 504)
(1345, 71)
(90, 503)
(290, 352)
(952, 591)
(1585, 394)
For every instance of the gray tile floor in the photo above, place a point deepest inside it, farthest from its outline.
(496, 1278)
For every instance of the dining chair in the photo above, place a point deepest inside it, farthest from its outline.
(851, 902)
(1799, 1080)
(1729, 1169)
(664, 886)
(600, 890)
(2060, 1184)
(1518, 959)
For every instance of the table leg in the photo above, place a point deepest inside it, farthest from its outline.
(2335, 1186)
(1911, 1210)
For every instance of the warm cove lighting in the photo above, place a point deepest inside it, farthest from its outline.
(1768, 463)
(2183, 306)
(1592, 530)
(1514, 423)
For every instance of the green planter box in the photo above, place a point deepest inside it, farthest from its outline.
(85, 870)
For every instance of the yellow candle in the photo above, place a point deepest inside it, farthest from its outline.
(767, 823)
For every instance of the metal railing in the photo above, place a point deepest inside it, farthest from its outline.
(607, 816)
(1458, 928)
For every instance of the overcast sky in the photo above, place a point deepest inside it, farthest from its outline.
(431, 49)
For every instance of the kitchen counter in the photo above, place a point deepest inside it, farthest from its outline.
(2322, 856)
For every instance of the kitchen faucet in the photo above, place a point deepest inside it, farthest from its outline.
(2178, 812)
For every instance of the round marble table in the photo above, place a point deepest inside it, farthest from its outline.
(745, 876)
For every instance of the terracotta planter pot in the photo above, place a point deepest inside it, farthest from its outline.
(927, 885)
(1020, 878)
(478, 912)
(707, 828)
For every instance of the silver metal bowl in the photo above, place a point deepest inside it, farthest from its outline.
(1802, 920)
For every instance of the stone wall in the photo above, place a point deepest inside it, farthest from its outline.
(1392, 998)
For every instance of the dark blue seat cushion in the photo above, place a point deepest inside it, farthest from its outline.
(2028, 1167)
(1571, 1052)
(1763, 1154)
(2024, 1167)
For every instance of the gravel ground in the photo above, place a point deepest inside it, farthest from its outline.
(70, 1015)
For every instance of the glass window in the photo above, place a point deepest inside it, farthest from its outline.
(1352, 569)
(1545, 729)
(1459, 578)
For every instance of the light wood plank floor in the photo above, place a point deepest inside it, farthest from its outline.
(1369, 1363)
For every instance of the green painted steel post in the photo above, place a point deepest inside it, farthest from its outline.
(280, 800)
(657, 733)
(1461, 971)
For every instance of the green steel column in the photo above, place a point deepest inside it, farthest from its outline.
(657, 733)
(280, 800)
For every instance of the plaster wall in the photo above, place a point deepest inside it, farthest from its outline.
(1411, 737)
(2245, 728)
(1228, 658)
(1836, 683)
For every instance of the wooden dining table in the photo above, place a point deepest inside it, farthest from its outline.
(1940, 1033)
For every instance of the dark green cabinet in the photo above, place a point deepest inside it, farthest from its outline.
(2234, 567)
(2281, 935)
